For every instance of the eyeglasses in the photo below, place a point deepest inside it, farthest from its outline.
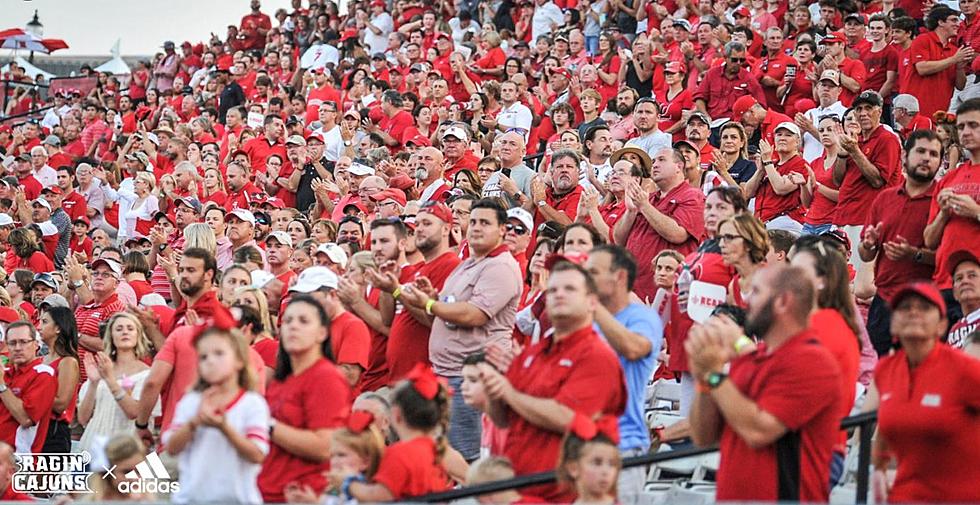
(103, 275)
(19, 343)
(517, 229)
(728, 238)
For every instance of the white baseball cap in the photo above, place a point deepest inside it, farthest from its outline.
(243, 214)
(314, 278)
(281, 236)
(521, 215)
(787, 125)
(114, 267)
(456, 131)
(44, 203)
(260, 278)
(6, 220)
(360, 169)
(334, 252)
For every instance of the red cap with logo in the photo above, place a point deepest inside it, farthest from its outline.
(439, 210)
(742, 105)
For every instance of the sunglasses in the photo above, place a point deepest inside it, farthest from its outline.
(737, 60)
(728, 238)
(516, 228)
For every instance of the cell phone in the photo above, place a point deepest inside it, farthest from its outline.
(753, 150)
(791, 71)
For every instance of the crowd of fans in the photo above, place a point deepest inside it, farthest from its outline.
(379, 253)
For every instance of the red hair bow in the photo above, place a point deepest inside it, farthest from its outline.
(587, 429)
(424, 381)
(221, 319)
(359, 421)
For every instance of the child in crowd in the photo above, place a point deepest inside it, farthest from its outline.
(493, 438)
(666, 267)
(412, 466)
(221, 428)
(80, 243)
(590, 461)
(490, 469)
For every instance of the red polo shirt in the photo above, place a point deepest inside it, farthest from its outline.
(855, 70)
(408, 340)
(799, 384)
(581, 372)
(933, 90)
(720, 93)
(89, 317)
(884, 151)
(684, 204)
(350, 340)
(905, 216)
(960, 232)
(259, 148)
(36, 385)
(317, 398)
(928, 417)
(769, 205)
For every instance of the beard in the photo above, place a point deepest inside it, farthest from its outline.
(757, 325)
(917, 177)
(188, 289)
(624, 110)
(427, 244)
(421, 174)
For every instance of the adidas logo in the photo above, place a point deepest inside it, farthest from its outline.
(150, 476)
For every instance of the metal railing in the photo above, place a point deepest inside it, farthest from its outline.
(865, 422)
(38, 94)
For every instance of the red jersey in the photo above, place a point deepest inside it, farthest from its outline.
(799, 384)
(719, 93)
(412, 468)
(74, 205)
(36, 385)
(243, 198)
(884, 151)
(318, 398)
(956, 337)
(933, 407)
(960, 232)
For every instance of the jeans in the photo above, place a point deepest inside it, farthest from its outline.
(816, 229)
(836, 469)
(464, 424)
(592, 44)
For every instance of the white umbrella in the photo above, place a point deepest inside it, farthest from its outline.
(16, 38)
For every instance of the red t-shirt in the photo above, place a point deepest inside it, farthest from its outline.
(884, 151)
(242, 199)
(901, 215)
(268, 348)
(855, 70)
(579, 371)
(769, 205)
(960, 232)
(934, 90)
(879, 64)
(259, 149)
(32, 188)
(685, 205)
(919, 122)
(74, 205)
(376, 375)
(833, 333)
(674, 109)
(316, 97)
(928, 417)
(84, 246)
(412, 468)
(408, 340)
(318, 398)
(822, 209)
(799, 384)
(395, 125)
(350, 340)
(36, 385)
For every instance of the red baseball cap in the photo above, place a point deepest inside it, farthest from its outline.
(390, 194)
(562, 71)
(833, 38)
(275, 202)
(554, 259)
(349, 33)
(439, 210)
(82, 219)
(8, 315)
(52, 189)
(314, 135)
(924, 289)
(959, 257)
(168, 216)
(444, 35)
(378, 3)
(419, 140)
(742, 11)
(742, 105)
(675, 67)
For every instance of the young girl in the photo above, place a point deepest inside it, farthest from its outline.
(589, 460)
(355, 450)
(220, 428)
(412, 466)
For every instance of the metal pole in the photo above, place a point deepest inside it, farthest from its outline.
(864, 460)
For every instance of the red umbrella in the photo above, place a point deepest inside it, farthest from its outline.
(17, 38)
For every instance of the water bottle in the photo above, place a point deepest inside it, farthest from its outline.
(684, 281)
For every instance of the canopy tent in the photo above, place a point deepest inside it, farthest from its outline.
(30, 70)
(17, 39)
(116, 65)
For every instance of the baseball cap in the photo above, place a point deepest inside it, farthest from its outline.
(561, 36)
(152, 137)
(169, 216)
(675, 67)
(419, 140)
(438, 209)
(43, 203)
(292, 120)
(742, 105)
(313, 279)
(856, 16)
(82, 219)
(455, 131)
(571, 257)
(114, 267)
(378, 56)
(262, 218)
(696, 114)
(6, 220)
(742, 12)
(336, 254)
(869, 97)
(296, 140)
(833, 38)
(418, 67)
(521, 215)
(354, 113)
(46, 279)
(275, 202)
(682, 23)
(832, 76)
(260, 278)
(926, 290)
(562, 71)
(8, 315)
(168, 44)
(55, 300)
(390, 194)
(314, 135)
(189, 201)
(788, 125)
(360, 169)
(906, 101)
(282, 237)
(52, 140)
(242, 215)
(959, 257)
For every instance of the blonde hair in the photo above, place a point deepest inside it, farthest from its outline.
(202, 236)
(669, 253)
(489, 469)
(492, 39)
(368, 444)
(363, 260)
(147, 177)
(221, 181)
(142, 341)
(246, 377)
(753, 232)
(263, 305)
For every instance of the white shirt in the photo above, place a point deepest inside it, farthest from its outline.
(812, 148)
(652, 142)
(517, 115)
(333, 143)
(458, 32)
(544, 16)
(378, 43)
(47, 176)
(210, 468)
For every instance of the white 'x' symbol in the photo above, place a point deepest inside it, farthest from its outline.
(108, 472)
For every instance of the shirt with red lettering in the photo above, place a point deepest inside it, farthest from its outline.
(799, 384)
(579, 371)
(928, 412)
(903, 216)
(412, 468)
(35, 384)
(960, 232)
(933, 90)
(317, 398)
(883, 149)
(685, 205)
(408, 340)
(74, 205)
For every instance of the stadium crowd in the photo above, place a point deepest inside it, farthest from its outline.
(380, 253)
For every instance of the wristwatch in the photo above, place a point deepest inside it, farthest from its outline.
(917, 257)
(3, 388)
(714, 379)
(77, 284)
